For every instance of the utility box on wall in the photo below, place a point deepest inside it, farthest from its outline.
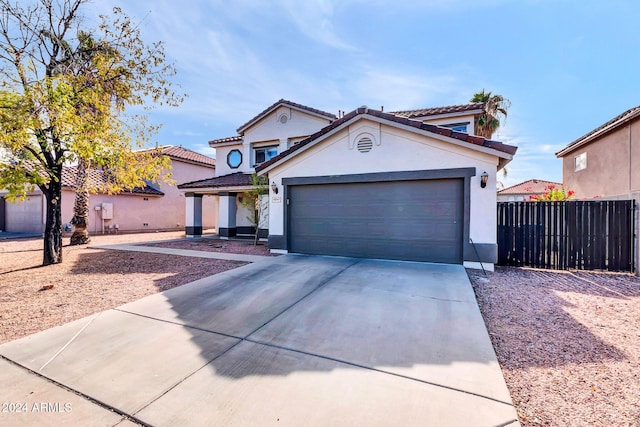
(107, 211)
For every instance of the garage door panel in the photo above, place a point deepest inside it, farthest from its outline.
(411, 220)
(25, 216)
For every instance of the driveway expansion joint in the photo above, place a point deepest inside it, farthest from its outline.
(305, 296)
(124, 415)
(382, 371)
(71, 340)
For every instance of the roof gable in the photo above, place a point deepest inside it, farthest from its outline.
(285, 103)
(609, 126)
(470, 141)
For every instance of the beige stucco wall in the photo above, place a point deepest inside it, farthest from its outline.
(613, 165)
(141, 212)
(132, 212)
(396, 150)
(269, 130)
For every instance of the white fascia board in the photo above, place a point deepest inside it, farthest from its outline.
(226, 144)
(214, 190)
(444, 116)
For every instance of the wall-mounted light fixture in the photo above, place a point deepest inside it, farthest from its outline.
(483, 179)
(274, 187)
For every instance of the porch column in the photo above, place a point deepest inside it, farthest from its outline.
(227, 215)
(193, 220)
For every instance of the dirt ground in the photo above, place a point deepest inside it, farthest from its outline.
(34, 298)
(568, 344)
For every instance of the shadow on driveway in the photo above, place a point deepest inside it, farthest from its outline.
(287, 341)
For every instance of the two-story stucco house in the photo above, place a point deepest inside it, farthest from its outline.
(366, 184)
(605, 163)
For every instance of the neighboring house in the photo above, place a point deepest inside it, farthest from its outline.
(605, 163)
(154, 207)
(368, 184)
(522, 192)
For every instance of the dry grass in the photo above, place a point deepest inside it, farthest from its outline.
(34, 298)
(568, 344)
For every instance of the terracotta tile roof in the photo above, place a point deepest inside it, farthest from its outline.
(531, 186)
(272, 107)
(237, 179)
(97, 178)
(236, 138)
(461, 136)
(601, 130)
(436, 111)
(181, 153)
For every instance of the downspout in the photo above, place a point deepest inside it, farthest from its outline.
(629, 124)
(636, 229)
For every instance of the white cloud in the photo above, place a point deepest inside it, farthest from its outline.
(314, 18)
(186, 133)
(398, 89)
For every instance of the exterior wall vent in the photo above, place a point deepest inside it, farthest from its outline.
(365, 144)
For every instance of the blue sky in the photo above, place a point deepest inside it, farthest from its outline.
(566, 66)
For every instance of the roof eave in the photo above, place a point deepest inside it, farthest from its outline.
(444, 115)
(591, 136)
(214, 144)
(205, 190)
(193, 162)
(505, 157)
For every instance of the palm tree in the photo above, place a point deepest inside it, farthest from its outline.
(495, 109)
(80, 220)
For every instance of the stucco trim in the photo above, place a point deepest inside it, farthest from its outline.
(487, 252)
(193, 230)
(227, 232)
(250, 230)
(277, 241)
(382, 176)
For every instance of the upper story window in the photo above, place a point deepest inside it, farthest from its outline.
(458, 127)
(262, 154)
(234, 159)
(580, 162)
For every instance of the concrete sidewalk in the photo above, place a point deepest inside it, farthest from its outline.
(298, 340)
(8, 235)
(139, 247)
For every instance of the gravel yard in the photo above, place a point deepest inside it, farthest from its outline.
(217, 245)
(568, 344)
(34, 298)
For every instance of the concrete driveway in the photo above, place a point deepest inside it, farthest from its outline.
(288, 341)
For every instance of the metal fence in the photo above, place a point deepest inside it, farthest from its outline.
(582, 235)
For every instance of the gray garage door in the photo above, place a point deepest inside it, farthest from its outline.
(25, 216)
(405, 220)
